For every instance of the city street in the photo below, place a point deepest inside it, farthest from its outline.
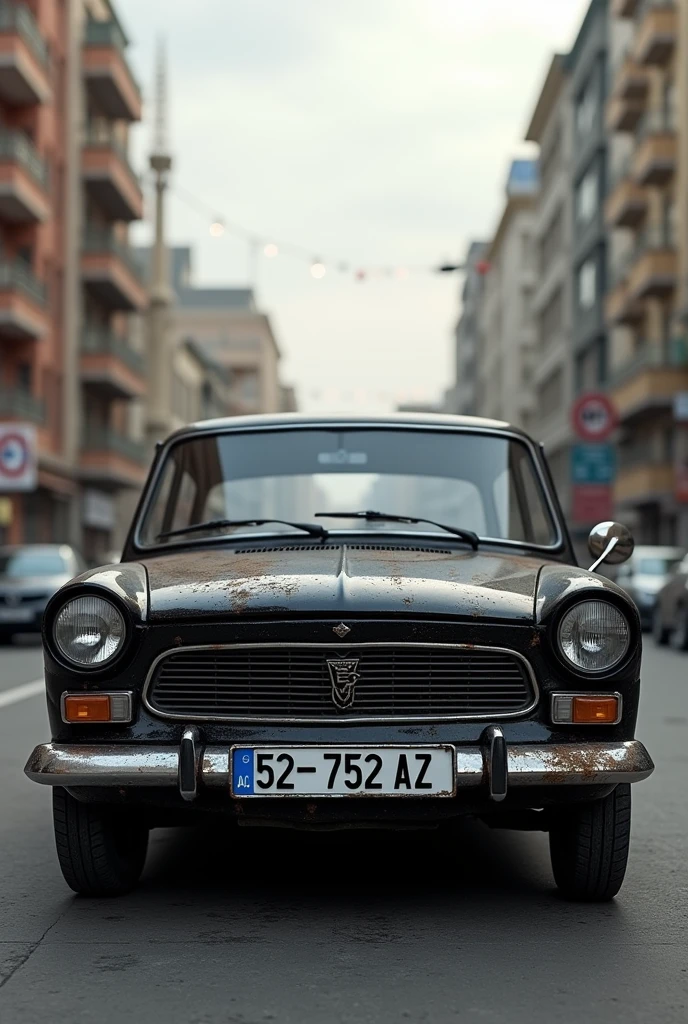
(302, 928)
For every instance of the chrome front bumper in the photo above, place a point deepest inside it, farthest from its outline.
(184, 767)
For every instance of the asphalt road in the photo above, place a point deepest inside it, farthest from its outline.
(312, 929)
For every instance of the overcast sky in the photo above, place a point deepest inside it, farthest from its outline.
(371, 133)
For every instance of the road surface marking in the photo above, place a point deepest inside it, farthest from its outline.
(22, 692)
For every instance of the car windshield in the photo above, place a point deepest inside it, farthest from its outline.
(481, 482)
(25, 562)
(657, 566)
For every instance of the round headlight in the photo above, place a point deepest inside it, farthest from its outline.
(89, 631)
(594, 636)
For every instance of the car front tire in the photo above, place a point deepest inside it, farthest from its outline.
(589, 847)
(101, 850)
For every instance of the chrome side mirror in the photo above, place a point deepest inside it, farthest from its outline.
(610, 542)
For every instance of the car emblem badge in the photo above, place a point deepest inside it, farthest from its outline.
(341, 629)
(344, 678)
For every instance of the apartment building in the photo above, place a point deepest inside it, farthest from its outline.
(227, 326)
(647, 216)
(507, 336)
(587, 74)
(67, 278)
(551, 129)
(461, 397)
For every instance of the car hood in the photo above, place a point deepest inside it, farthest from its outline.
(342, 580)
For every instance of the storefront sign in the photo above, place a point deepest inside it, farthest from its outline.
(593, 464)
(592, 503)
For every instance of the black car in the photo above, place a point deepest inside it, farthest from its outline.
(309, 609)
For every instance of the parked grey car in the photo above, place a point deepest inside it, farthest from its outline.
(644, 575)
(670, 619)
(29, 576)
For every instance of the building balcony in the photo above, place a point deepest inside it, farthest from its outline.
(20, 405)
(107, 73)
(626, 204)
(23, 180)
(620, 308)
(110, 271)
(631, 81)
(649, 379)
(623, 115)
(112, 460)
(654, 160)
(656, 32)
(22, 302)
(24, 77)
(109, 178)
(110, 366)
(624, 8)
(654, 265)
(644, 482)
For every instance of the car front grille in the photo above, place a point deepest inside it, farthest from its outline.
(315, 683)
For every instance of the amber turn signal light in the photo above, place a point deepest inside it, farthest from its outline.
(586, 708)
(96, 707)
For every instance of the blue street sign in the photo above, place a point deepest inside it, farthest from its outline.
(593, 464)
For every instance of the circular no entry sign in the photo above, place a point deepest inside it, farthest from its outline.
(593, 417)
(14, 455)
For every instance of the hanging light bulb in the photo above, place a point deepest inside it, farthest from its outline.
(318, 269)
(271, 250)
(217, 229)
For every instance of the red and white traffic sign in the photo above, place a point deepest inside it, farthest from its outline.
(18, 470)
(593, 417)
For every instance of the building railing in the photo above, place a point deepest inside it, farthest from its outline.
(15, 145)
(659, 236)
(655, 122)
(100, 136)
(651, 5)
(101, 342)
(98, 240)
(18, 18)
(17, 274)
(15, 402)
(620, 173)
(108, 33)
(104, 439)
(672, 354)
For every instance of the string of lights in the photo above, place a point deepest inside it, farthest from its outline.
(272, 247)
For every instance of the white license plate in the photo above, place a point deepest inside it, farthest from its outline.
(16, 614)
(342, 771)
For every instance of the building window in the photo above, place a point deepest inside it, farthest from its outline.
(551, 318)
(551, 394)
(552, 240)
(586, 109)
(591, 367)
(588, 197)
(587, 284)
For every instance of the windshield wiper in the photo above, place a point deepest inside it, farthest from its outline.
(381, 517)
(313, 529)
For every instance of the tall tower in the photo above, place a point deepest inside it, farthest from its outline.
(161, 295)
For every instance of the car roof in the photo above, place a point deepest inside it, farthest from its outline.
(405, 419)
